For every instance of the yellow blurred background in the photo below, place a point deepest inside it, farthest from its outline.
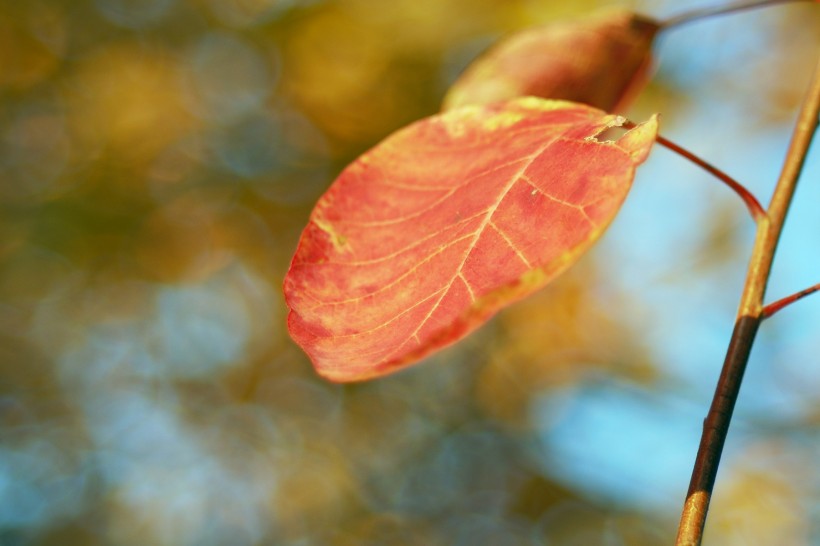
(158, 159)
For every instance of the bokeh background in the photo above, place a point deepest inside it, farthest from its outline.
(158, 160)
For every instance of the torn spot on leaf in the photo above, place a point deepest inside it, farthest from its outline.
(609, 123)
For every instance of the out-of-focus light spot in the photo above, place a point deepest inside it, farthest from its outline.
(179, 241)
(448, 373)
(316, 489)
(572, 523)
(200, 329)
(440, 478)
(251, 147)
(768, 496)
(419, 26)
(167, 488)
(245, 13)
(108, 355)
(592, 436)
(461, 55)
(304, 172)
(227, 78)
(201, 229)
(71, 311)
(385, 529)
(178, 166)
(338, 71)
(483, 530)
(31, 44)
(555, 338)
(34, 151)
(39, 483)
(30, 273)
(133, 13)
(309, 402)
(193, 331)
(13, 234)
(126, 100)
(248, 437)
(48, 23)
(283, 152)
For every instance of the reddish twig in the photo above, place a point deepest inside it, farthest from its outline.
(754, 206)
(776, 306)
(705, 13)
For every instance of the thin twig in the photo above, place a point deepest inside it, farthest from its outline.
(749, 316)
(705, 13)
(776, 306)
(754, 206)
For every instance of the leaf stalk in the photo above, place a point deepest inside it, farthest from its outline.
(754, 206)
(750, 314)
(713, 11)
(776, 306)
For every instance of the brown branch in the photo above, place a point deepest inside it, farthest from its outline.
(749, 316)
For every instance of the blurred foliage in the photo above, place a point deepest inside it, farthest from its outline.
(158, 159)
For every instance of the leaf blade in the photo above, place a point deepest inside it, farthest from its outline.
(400, 256)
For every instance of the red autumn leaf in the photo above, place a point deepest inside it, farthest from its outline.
(427, 235)
(601, 60)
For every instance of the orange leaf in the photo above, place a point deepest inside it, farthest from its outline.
(600, 60)
(427, 235)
